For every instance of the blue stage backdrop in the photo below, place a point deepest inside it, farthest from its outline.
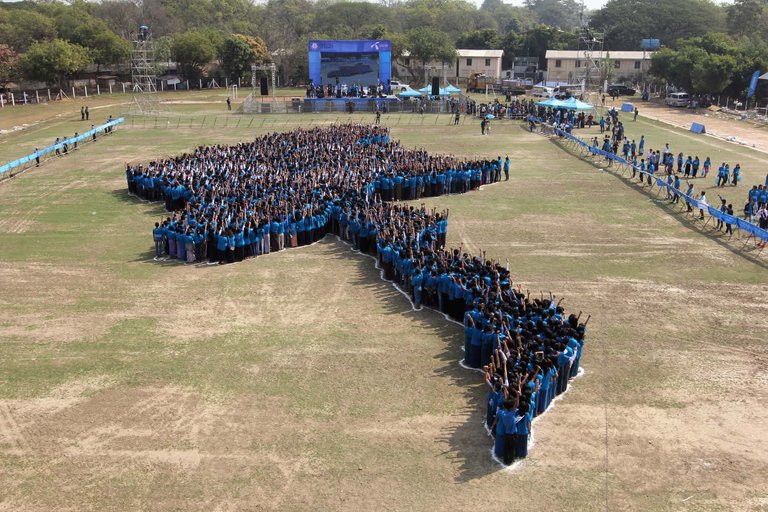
(363, 62)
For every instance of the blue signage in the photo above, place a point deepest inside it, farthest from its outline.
(753, 84)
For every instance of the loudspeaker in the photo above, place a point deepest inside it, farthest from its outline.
(435, 86)
(264, 86)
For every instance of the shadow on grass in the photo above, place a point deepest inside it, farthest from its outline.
(469, 445)
(692, 221)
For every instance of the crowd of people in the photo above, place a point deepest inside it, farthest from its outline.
(344, 90)
(229, 203)
(646, 165)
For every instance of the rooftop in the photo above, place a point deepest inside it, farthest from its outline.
(579, 54)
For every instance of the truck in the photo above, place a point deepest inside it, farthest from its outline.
(480, 82)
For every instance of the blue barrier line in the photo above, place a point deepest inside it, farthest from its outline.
(50, 149)
(743, 225)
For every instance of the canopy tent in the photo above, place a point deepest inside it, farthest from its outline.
(450, 88)
(551, 102)
(575, 104)
(443, 92)
(409, 93)
(569, 104)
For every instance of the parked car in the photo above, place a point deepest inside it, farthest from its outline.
(678, 99)
(620, 90)
(540, 91)
(397, 86)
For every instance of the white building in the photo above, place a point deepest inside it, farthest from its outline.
(467, 62)
(572, 65)
(487, 62)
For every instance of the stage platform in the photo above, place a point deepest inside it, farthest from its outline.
(343, 104)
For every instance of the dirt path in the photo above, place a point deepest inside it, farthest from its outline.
(732, 130)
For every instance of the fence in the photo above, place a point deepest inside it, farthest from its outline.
(35, 157)
(753, 231)
(35, 96)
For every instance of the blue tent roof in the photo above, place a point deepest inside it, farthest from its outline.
(409, 93)
(451, 88)
(575, 104)
(569, 104)
(550, 102)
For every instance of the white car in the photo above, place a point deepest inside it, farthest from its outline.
(678, 99)
(395, 85)
(540, 91)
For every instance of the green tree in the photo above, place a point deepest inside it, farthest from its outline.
(239, 52)
(192, 50)
(20, 28)
(54, 61)
(106, 46)
(700, 65)
(563, 14)
(626, 22)
(536, 41)
(745, 17)
(9, 65)
(486, 39)
(430, 44)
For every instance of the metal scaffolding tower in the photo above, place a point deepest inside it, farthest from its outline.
(591, 47)
(250, 104)
(143, 74)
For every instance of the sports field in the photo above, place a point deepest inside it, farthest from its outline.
(302, 381)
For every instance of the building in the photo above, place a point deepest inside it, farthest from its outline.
(573, 65)
(411, 70)
(487, 62)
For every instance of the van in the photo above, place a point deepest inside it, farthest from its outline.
(678, 99)
(540, 91)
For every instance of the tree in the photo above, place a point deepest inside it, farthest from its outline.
(106, 46)
(486, 39)
(430, 44)
(563, 14)
(626, 22)
(20, 28)
(745, 17)
(192, 50)
(700, 65)
(9, 65)
(537, 41)
(239, 52)
(54, 61)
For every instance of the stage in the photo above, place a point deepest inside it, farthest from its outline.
(343, 104)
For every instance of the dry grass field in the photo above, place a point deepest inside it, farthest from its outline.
(302, 381)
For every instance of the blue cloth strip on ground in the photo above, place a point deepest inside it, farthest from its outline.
(50, 149)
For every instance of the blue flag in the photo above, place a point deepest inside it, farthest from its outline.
(753, 84)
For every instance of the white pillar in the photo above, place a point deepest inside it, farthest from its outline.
(13, 100)
(49, 95)
(73, 93)
(98, 90)
(110, 87)
(123, 87)
(85, 88)
(37, 97)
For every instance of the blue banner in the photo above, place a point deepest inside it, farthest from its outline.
(50, 149)
(753, 84)
(743, 225)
